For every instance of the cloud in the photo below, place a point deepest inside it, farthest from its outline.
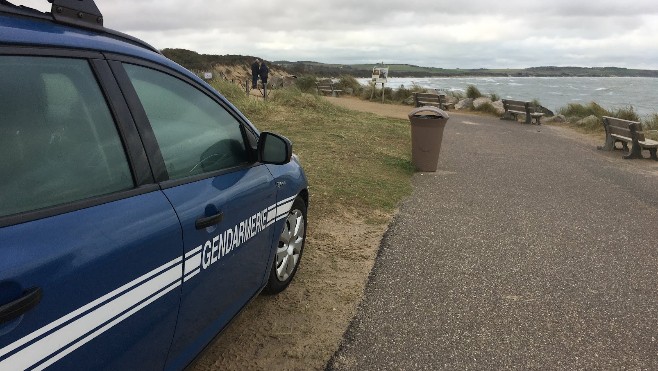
(439, 33)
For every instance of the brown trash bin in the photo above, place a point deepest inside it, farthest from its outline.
(426, 136)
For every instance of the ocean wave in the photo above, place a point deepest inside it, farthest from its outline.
(552, 92)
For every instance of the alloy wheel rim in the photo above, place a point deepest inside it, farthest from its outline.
(290, 245)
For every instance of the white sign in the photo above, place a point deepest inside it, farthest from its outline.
(380, 74)
(207, 75)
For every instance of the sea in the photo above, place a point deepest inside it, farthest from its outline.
(611, 93)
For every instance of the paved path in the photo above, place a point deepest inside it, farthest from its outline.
(526, 250)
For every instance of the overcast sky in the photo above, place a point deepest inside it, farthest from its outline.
(434, 33)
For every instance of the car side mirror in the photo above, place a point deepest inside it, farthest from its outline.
(274, 149)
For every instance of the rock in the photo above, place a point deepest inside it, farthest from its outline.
(546, 111)
(557, 119)
(480, 101)
(589, 121)
(451, 99)
(498, 105)
(464, 104)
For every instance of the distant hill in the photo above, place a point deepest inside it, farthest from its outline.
(409, 70)
(195, 61)
(208, 62)
(236, 68)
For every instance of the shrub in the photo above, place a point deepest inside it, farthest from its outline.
(366, 93)
(457, 94)
(651, 123)
(594, 125)
(388, 94)
(293, 97)
(231, 91)
(306, 84)
(415, 88)
(626, 113)
(473, 92)
(494, 97)
(347, 82)
(579, 111)
(402, 94)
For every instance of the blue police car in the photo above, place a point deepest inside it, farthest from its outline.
(140, 211)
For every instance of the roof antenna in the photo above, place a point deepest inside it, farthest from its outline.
(82, 13)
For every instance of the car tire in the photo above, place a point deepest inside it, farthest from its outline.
(289, 249)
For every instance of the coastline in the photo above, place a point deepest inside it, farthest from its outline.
(553, 92)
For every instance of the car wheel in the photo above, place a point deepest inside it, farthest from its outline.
(289, 250)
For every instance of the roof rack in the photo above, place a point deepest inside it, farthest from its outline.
(78, 13)
(82, 13)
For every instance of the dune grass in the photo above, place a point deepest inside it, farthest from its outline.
(576, 111)
(473, 92)
(353, 160)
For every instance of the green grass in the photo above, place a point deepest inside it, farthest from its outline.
(354, 161)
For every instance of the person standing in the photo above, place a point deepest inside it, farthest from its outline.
(263, 72)
(255, 71)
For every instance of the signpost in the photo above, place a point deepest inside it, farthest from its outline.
(379, 76)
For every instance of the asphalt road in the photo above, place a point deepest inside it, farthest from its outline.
(526, 250)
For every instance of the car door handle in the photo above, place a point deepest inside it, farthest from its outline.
(209, 221)
(29, 300)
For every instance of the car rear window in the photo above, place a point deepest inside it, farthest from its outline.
(58, 140)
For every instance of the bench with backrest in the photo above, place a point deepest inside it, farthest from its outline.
(327, 87)
(433, 99)
(513, 108)
(624, 131)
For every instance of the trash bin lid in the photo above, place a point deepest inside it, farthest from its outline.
(435, 111)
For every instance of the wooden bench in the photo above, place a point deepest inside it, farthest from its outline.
(513, 108)
(624, 131)
(327, 87)
(432, 99)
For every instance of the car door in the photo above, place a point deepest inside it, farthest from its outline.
(90, 248)
(225, 201)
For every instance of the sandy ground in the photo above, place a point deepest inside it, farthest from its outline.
(301, 328)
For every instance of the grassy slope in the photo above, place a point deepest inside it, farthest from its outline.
(353, 161)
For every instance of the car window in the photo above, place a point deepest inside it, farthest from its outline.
(195, 134)
(58, 140)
